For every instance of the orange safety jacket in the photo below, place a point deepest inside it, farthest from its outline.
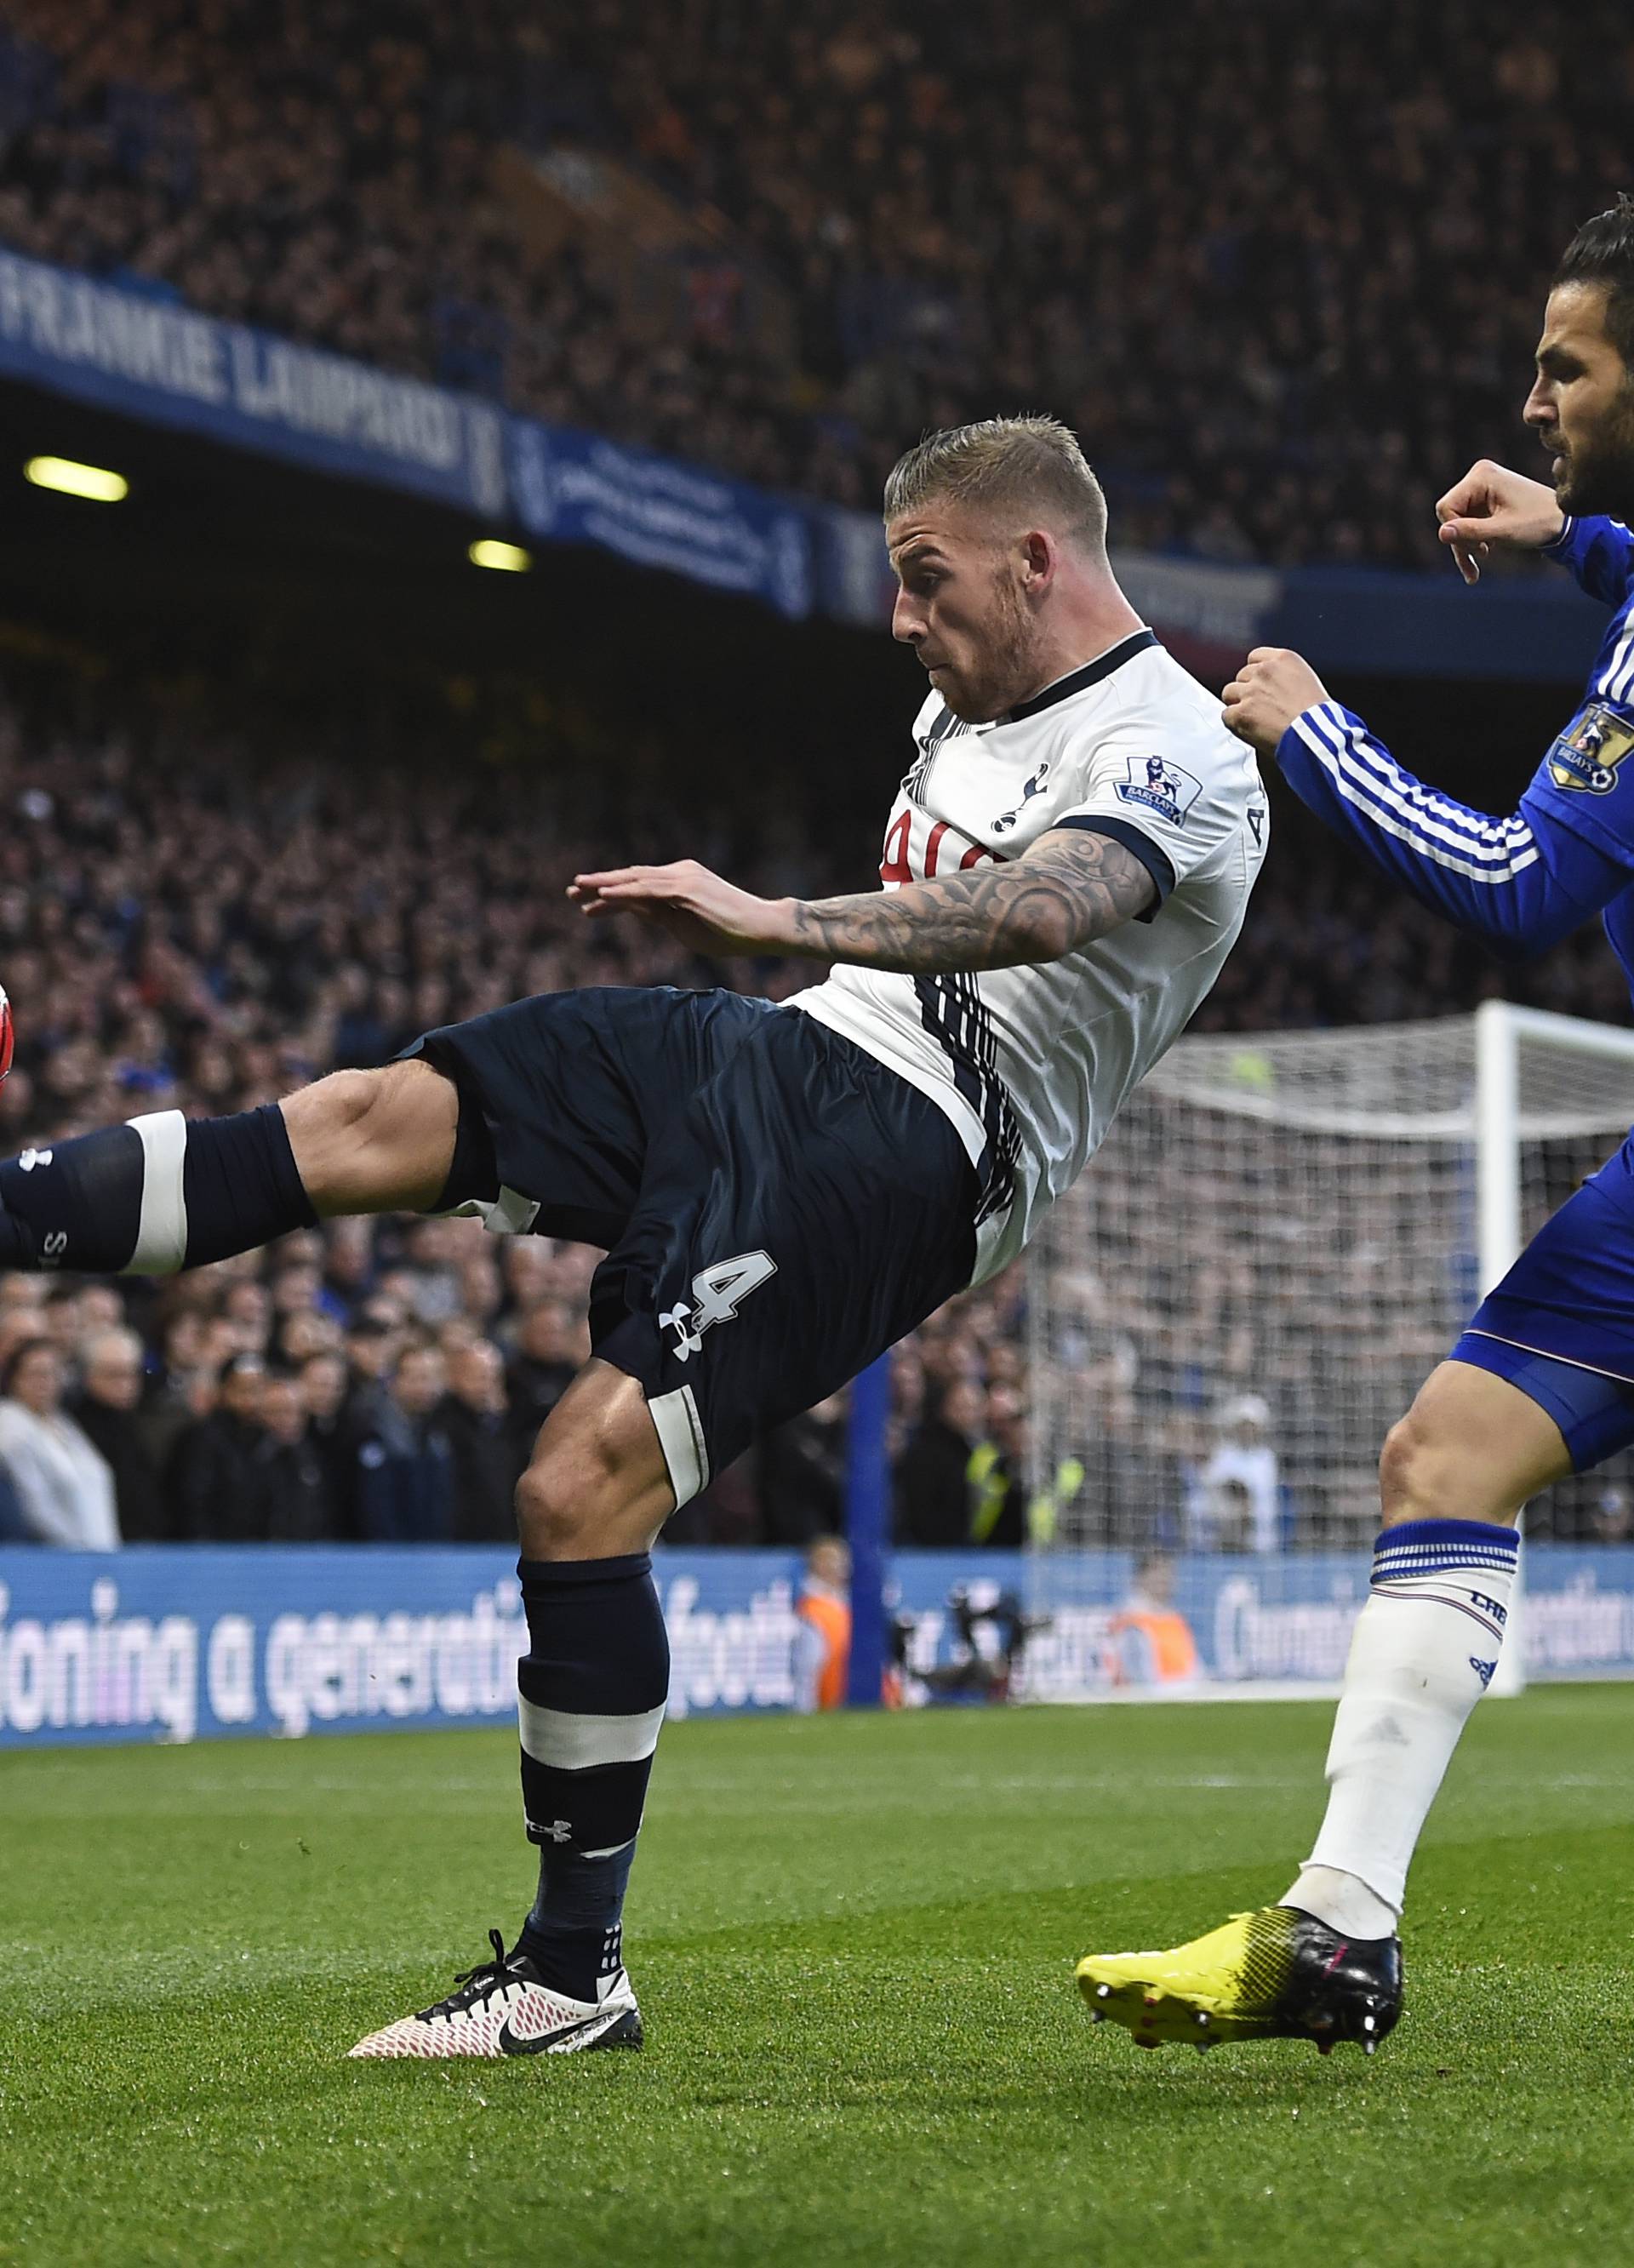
(831, 1619)
(1170, 1647)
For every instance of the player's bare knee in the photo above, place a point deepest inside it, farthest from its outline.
(1407, 1471)
(567, 1500)
(1430, 1469)
(598, 1485)
(547, 1523)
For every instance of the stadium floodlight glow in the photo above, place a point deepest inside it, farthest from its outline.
(510, 558)
(94, 482)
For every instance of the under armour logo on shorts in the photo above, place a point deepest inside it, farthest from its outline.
(716, 1294)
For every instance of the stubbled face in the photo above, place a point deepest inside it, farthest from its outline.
(1581, 405)
(960, 605)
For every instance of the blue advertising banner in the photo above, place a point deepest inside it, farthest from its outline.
(182, 1644)
(153, 359)
(190, 1644)
(150, 356)
(574, 488)
(1244, 1622)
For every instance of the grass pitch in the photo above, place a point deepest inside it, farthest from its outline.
(853, 1941)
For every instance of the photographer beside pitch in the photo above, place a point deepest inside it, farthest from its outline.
(1542, 1382)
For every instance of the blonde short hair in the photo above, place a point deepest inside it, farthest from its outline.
(1020, 464)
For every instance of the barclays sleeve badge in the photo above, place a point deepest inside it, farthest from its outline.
(1588, 753)
(1158, 786)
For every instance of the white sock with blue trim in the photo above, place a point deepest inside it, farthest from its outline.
(1426, 1644)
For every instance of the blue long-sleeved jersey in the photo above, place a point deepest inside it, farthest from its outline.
(1523, 882)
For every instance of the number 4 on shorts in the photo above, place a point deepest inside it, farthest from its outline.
(717, 1292)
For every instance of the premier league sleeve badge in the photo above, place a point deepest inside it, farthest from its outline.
(1588, 753)
(1157, 785)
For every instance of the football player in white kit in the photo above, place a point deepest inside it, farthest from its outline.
(782, 1191)
(1070, 855)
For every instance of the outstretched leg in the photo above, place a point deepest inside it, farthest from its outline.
(163, 1192)
(591, 1694)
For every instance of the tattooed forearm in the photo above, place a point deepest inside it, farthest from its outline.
(1070, 888)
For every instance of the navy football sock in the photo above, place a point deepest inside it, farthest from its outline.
(239, 1185)
(160, 1193)
(591, 1694)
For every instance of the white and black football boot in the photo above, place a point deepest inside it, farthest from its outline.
(503, 2007)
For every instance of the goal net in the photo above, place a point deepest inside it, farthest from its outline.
(1279, 1239)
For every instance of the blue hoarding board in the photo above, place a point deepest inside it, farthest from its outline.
(575, 488)
(182, 1645)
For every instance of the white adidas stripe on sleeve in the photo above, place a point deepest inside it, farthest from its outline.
(1503, 849)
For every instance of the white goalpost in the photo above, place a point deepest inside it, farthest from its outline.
(1282, 1235)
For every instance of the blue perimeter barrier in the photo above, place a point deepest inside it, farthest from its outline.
(868, 1529)
(142, 353)
(192, 1644)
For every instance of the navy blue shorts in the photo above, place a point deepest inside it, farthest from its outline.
(777, 1208)
(1561, 1324)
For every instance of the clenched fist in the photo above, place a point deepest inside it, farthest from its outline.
(1272, 688)
(1491, 504)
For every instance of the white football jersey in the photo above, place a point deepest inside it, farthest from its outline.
(1032, 1064)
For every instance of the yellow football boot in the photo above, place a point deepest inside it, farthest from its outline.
(1275, 1974)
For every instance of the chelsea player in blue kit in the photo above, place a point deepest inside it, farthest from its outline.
(1542, 1381)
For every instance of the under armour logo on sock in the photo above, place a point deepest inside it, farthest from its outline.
(558, 1831)
(1484, 1671)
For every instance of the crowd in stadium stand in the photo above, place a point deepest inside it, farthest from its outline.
(232, 913)
(1281, 268)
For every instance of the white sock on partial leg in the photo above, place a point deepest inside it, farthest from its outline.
(1342, 1902)
(1425, 1647)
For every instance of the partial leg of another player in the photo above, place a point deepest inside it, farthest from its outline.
(1454, 1478)
(1325, 1963)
